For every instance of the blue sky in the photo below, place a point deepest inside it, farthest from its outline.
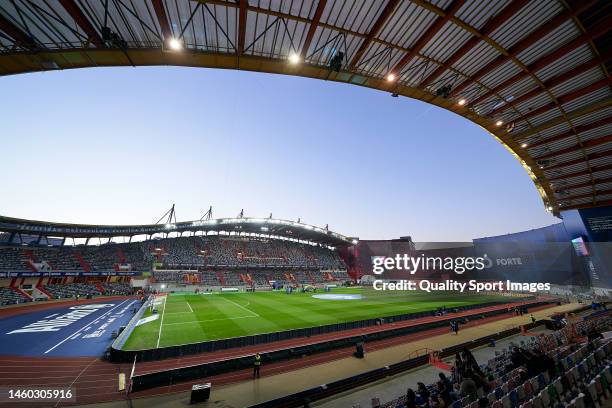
(121, 145)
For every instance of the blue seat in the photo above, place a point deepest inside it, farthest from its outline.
(541, 381)
(514, 399)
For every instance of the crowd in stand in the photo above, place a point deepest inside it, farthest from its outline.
(251, 278)
(174, 253)
(198, 252)
(117, 288)
(551, 370)
(9, 296)
(72, 290)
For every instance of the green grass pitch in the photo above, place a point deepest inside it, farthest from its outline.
(190, 318)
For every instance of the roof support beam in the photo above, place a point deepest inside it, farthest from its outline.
(313, 28)
(579, 129)
(430, 33)
(570, 96)
(586, 184)
(594, 169)
(588, 157)
(593, 107)
(597, 31)
(552, 82)
(162, 18)
(503, 16)
(376, 27)
(17, 34)
(598, 204)
(77, 15)
(588, 143)
(526, 42)
(242, 18)
(585, 195)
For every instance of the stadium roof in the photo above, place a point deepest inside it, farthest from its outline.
(245, 225)
(535, 74)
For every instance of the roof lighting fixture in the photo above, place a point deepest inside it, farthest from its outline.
(294, 58)
(462, 102)
(524, 145)
(499, 123)
(175, 44)
(391, 77)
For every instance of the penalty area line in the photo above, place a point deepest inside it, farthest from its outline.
(242, 307)
(189, 306)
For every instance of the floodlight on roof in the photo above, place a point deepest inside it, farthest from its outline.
(461, 102)
(175, 44)
(294, 58)
(499, 123)
(524, 145)
(391, 77)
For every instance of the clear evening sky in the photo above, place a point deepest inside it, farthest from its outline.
(120, 145)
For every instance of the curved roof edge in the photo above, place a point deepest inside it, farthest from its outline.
(22, 63)
(270, 227)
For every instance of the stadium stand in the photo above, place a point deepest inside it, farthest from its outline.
(174, 253)
(9, 296)
(552, 370)
(195, 252)
(72, 290)
(117, 288)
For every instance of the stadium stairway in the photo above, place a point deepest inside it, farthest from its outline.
(220, 278)
(121, 255)
(310, 277)
(44, 291)
(77, 255)
(21, 293)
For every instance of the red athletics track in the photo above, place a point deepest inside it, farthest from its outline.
(96, 380)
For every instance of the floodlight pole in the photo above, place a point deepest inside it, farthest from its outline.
(169, 215)
(207, 215)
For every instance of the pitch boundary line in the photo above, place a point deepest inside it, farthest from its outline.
(242, 307)
(161, 323)
(188, 305)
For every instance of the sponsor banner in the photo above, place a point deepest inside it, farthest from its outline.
(27, 274)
